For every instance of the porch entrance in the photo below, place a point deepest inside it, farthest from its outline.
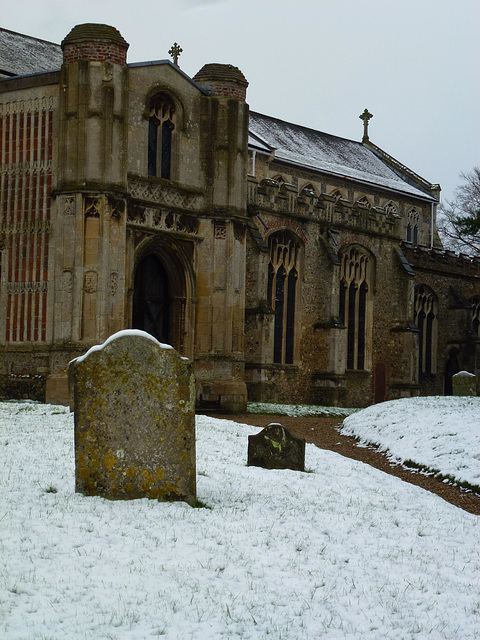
(151, 301)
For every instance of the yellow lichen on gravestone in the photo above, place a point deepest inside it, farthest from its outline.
(109, 461)
(134, 420)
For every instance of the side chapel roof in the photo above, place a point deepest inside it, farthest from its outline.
(326, 153)
(22, 55)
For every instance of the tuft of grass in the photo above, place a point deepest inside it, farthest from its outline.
(51, 489)
(199, 504)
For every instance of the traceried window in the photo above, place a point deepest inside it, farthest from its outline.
(283, 274)
(355, 292)
(425, 318)
(337, 195)
(413, 225)
(161, 125)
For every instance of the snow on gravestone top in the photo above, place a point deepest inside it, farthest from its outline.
(464, 384)
(134, 405)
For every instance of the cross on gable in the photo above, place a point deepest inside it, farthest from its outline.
(175, 51)
(365, 116)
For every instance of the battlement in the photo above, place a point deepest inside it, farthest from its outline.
(422, 257)
(270, 196)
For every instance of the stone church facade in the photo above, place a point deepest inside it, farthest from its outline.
(288, 264)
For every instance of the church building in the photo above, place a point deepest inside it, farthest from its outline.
(289, 264)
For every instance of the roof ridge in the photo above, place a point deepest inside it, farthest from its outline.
(399, 166)
(301, 126)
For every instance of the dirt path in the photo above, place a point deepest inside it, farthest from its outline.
(322, 433)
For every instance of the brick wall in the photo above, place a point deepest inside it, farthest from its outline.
(95, 51)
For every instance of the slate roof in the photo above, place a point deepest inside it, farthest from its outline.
(326, 153)
(22, 55)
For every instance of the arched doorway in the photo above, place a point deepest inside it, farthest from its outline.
(151, 299)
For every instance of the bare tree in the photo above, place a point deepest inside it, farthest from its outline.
(459, 219)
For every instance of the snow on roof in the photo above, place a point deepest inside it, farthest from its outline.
(327, 153)
(23, 55)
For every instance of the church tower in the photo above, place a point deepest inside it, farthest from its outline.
(89, 197)
(219, 358)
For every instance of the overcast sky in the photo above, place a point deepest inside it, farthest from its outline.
(413, 63)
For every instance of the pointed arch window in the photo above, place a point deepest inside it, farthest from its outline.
(425, 318)
(413, 226)
(283, 280)
(355, 303)
(161, 126)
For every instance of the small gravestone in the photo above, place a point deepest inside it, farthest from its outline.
(464, 384)
(134, 405)
(276, 447)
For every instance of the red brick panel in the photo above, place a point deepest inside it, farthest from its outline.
(25, 202)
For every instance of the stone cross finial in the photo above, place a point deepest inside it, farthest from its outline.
(366, 115)
(175, 52)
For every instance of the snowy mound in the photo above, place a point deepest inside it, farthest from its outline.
(437, 432)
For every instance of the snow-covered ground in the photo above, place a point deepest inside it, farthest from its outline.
(342, 552)
(439, 433)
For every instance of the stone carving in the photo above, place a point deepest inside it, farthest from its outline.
(390, 209)
(67, 281)
(220, 231)
(107, 71)
(136, 214)
(69, 206)
(28, 106)
(134, 405)
(27, 226)
(27, 287)
(92, 207)
(464, 384)
(276, 447)
(113, 284)
(91, 282)
(165, 220)
(164, 195)
(117, 207)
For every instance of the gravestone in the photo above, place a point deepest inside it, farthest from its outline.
(134, 406)
(276, 447)
(464, 384)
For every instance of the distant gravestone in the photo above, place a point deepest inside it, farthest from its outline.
(276, 447)
(134, 405)
(464, 384)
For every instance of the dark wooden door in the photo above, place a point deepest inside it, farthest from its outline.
(151, 307)
(380, 382)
